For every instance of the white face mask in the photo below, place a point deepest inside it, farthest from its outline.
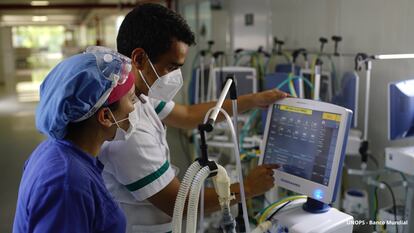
(165, 87)
(121, 134)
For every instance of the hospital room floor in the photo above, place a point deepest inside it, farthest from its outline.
(18, 138)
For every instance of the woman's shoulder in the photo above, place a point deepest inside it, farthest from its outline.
(55, 164)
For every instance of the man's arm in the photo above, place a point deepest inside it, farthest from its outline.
(189, 116)
(256, 183)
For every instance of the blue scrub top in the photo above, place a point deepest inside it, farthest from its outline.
(62, 190)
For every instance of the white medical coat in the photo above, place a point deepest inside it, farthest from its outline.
(139, 167)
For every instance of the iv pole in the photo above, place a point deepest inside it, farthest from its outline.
(360, 60)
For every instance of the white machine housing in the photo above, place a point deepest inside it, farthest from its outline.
(400, 159)
(354, 142)
(297, 220)
(245, 78)
(320, 192)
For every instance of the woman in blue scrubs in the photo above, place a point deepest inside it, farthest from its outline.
(84, 101)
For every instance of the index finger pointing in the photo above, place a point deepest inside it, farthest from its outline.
(272, 166)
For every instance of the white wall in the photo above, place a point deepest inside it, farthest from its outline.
(370, 26)
(250, 36)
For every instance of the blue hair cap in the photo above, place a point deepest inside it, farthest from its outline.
(69, 92)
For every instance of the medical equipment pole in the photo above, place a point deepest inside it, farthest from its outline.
(317, 84)
(213, 80)
(364, 146)
(236, 154)
(367, 91)
(208, 127)
(295, 55)
(233, 97)
(200, 80)
(360, 59)
(208, 96)
(318, 71)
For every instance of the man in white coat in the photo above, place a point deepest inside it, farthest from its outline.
(138, 171)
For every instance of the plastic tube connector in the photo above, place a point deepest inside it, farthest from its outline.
(263, 227)
(228, 224)
(222, 186)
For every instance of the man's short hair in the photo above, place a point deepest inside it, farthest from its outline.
(152, 27)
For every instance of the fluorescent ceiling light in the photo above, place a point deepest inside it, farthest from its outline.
(394, 56)
(39, 3)
(41, 18)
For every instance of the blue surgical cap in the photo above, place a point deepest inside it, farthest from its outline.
(69, 92)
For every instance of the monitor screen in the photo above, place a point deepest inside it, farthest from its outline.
(303, 142)
(245, 78)
(401, 109)
(274, 80)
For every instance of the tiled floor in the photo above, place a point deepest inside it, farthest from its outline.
(18, 138)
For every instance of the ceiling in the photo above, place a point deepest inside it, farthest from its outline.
(58, 12)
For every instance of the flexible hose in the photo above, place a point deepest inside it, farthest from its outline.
(292, 89)
(240, 173)
(266, 212)
(292, 77)
(192, 207)
(201, 220)
(182, 196)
